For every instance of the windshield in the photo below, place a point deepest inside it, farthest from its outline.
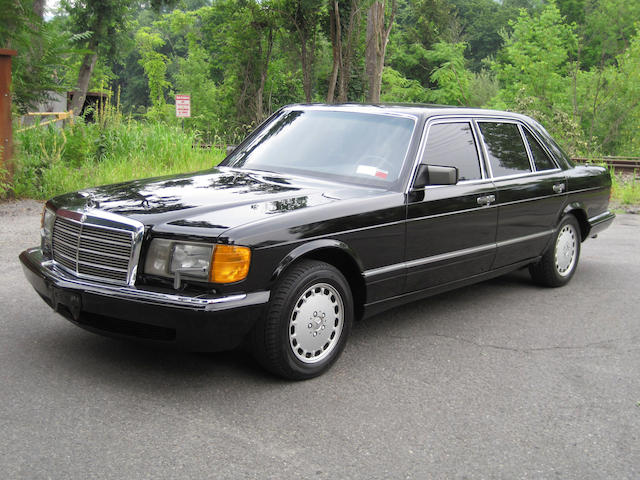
(363, 148)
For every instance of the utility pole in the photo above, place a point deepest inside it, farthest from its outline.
(6, 133)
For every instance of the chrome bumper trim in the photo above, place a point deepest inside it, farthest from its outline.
(33, 260)
(603, 217)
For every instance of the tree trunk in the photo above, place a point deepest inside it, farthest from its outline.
(352, 34)
(86, 69)
(263, 79)
(306, 68)
(377, 40)
(38, 8)
(345, 70)
(336, 42)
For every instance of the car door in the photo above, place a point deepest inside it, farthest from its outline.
(451, 229)
(531, 189)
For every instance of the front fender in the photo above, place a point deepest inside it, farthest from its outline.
(314, 246)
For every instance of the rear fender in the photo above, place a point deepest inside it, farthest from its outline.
(578, 210)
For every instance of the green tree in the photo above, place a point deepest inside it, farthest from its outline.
(301, 19)
(572, 10)
(154, 64)
(419, 25)
(43, 49)
(536, 60)
(345, 28)
(452, 78)
(607, 103)
(607, 30)
(105, 20)
(252, 29)
(396, 88)
(378, 31)
(481, 22)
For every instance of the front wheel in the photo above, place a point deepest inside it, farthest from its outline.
(559, 263)
(307, 322)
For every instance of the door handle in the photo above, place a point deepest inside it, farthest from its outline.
(558, 187)
(486, 200)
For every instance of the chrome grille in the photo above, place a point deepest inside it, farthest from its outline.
(94, 251)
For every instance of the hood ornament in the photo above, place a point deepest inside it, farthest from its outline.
(91, 203)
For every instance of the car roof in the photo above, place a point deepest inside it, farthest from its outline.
(422, 110)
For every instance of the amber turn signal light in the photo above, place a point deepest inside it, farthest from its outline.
(230, 263)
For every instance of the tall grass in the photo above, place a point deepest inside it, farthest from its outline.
(625, 190)
(114, 148)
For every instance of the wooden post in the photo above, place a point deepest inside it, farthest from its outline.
(6, 134)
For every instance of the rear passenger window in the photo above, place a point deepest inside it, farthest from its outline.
(540, 157)
(507, 153)
(453, 145)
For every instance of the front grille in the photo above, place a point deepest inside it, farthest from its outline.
(94, 251)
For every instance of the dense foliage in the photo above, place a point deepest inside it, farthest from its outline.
(572, 64)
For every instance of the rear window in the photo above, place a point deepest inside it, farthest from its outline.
(540, 157)
(507, 153)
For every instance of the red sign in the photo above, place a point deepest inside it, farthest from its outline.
(183, 105)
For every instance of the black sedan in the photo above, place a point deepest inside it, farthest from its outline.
(322, 216)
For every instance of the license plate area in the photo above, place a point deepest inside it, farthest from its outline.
(65, 300)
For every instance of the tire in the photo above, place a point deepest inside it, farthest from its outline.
(558, 265)
(307, 322)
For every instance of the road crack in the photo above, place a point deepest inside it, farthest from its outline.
(587, 346)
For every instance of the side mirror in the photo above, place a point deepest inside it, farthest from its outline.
(435, 175)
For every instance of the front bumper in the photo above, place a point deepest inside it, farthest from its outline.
(199, 322)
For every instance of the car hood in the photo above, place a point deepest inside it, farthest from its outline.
(210, 202)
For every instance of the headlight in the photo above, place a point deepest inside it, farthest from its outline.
(190, 260)
(198, 261)
(46, 230)
(194, 258)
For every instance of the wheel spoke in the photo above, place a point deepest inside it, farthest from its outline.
(565, 251)
(316, 323)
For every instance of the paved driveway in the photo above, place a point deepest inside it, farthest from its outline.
(498, 380)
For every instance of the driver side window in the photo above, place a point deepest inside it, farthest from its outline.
(453, 145)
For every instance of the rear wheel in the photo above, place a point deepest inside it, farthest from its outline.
(559, 263)
(307, 322)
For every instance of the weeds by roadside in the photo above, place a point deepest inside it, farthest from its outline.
(51, 161)
(625, 192)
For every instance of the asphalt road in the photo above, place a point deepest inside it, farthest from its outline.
(499, 380)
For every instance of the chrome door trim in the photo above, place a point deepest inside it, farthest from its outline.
(449, 255)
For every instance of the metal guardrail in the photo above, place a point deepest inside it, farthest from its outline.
(59, 116)
(618, 163)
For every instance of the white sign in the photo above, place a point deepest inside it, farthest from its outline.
(183, 105)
